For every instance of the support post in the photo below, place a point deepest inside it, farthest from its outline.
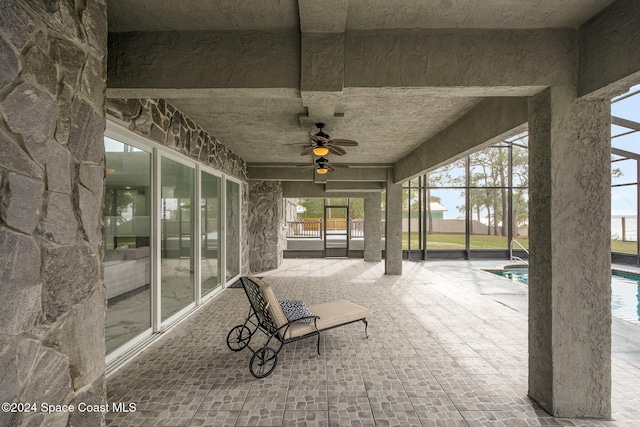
(569, 274)
(393, 241)
(372, 228)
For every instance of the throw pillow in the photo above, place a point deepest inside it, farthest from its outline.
(294, 310)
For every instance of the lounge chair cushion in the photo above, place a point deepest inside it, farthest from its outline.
(272, 302)
(331, 314)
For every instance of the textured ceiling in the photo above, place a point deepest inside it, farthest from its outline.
(195, 15)
(260, 130)
(387, 124)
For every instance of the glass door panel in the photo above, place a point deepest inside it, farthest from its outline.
(233, 229)
(127, 255)
(210, 229)
(177, 260)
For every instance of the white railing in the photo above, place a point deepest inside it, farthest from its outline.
(517, 258)
(304, 229)
(313, 228)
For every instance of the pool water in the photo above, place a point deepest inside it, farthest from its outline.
(625, 289)
(520, 275)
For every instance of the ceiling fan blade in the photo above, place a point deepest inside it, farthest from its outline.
(336, 150)
(296, 143)
(307, 151)
(319, 139)
(345, 142)
(305, 166)
(331, 169)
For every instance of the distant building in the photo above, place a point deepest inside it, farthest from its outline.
(437, 210)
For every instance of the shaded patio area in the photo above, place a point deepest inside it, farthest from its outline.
(447, 347)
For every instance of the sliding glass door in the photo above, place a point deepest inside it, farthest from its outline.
(172, 237)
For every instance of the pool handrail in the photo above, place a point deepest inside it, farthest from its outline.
(516, 258)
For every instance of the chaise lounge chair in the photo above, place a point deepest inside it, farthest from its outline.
(266, 315)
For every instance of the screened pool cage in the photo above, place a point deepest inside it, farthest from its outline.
(625, 153)
(475, 207)
(478, 206)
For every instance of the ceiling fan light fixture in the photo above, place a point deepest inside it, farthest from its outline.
(322, 170)
(321, 150)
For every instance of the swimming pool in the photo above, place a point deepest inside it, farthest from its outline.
(625, 289)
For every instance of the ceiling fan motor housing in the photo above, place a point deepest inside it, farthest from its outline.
(320, 133)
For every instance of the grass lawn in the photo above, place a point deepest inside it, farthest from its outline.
(624, 247)
(456, 241)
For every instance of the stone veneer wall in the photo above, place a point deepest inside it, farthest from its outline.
(266, 232)
(52, 303)
(161, 122)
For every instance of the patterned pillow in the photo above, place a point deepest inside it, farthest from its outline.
(293, 310)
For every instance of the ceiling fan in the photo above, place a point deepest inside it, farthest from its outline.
(322, 144)
(322, 166)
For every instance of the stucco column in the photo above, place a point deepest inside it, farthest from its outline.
(569, 274)
(393, 238)
(372, 228)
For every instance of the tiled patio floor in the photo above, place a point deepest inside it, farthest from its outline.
(442, 351)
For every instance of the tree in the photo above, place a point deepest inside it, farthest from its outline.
(356, 208)
(117, 201)
(520, 177)
(440, 177)
(313, 208)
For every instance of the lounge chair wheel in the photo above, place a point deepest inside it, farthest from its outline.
(263, 362)
(238, 338)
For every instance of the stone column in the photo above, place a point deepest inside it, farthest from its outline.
(569, 273)
(372, 228)
(52, 302)
(393, 239)
(265, 230)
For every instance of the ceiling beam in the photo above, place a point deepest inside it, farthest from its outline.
(204, 60)
(292, 173)
(609, 53)
(274, 173)
(459, 58)
(353, 187)
(327, 16)
(329, 58)
(321, 76)
(309, 189)
(322, 25)
(513, 62)
(490, 121)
